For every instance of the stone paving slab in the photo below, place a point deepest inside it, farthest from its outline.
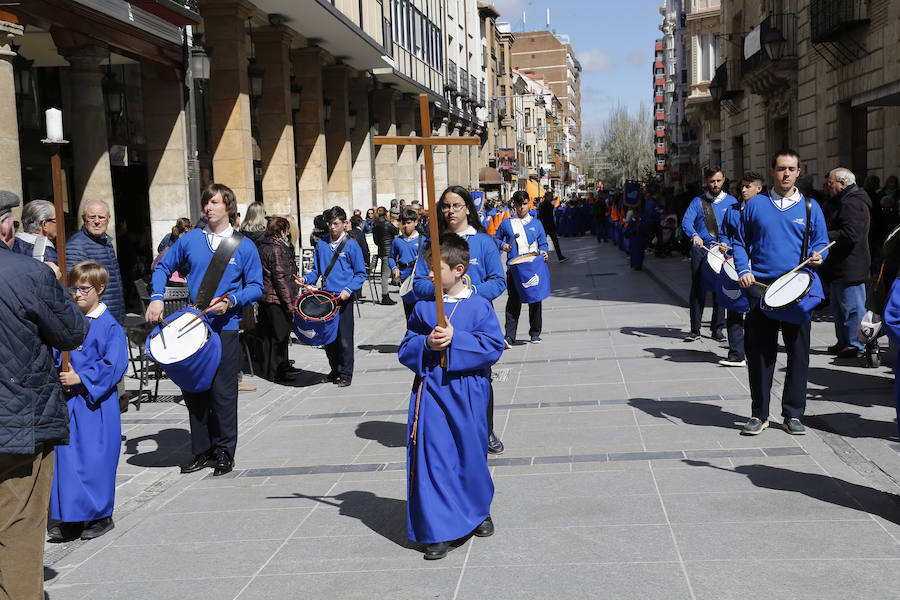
(624, 476)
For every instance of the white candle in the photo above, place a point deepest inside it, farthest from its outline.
(54, 124)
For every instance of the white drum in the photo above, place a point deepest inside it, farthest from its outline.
(191, 357)
(729, 269)
(715, 258)
(171, 345)
(788, 289)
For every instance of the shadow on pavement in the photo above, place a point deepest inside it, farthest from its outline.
(387, 433)
(848, 387)
(384, 516)
(684, 355)
(380, 348)
(690, 413)
(820, 487)
(852, 425)
(173, 446)
(669, 332)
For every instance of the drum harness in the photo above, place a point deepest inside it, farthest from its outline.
(216, 269)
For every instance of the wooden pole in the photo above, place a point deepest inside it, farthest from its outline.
(56, 172)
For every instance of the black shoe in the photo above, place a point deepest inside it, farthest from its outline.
(848, 352)
(486, 529)
(386, 300)
(834, 349)
(64, 532)
(292, 370)
(201, 461)
(330, 378)
(717, 336)
(564, 259)
(495, 446)
(436, 551)
(97, 528)
(692, 337)
(343, 382)
(224, 463)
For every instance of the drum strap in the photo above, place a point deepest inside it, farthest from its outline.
(805, 247)
(709, 217)
(210, 282)
(334, 258)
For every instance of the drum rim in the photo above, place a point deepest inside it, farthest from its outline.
(792, 303)
(517, 259)
(733, 267)
(330, 296)
(159, 327)
(718, 254)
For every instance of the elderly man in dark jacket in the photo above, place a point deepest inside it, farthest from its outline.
(36, 314)
(848, 262)
(93, 243)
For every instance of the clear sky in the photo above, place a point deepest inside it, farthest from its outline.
(613, 41)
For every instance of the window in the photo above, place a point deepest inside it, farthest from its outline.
(540, 157)
(527, 117)
(707, 56)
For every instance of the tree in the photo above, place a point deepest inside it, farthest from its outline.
(625, 146)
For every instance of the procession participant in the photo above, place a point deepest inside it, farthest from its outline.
(545, 214)
(342, 270)
(449, 483)
(383, 233)
(751, 185)
(770, 242)
(84, 473)
(707, 209)
(405, 251)
(519, 235)
(457, 214)
(276, 305)
(234, 272)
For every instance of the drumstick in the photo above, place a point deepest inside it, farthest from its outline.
(813, 255)
(205, 310)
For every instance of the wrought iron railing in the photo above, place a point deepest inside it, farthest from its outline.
(782, 28)
(830, 19)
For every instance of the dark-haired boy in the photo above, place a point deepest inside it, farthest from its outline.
(347, 274)
(450, 487)
(405, 251)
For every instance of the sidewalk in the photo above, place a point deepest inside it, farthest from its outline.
(624, 474)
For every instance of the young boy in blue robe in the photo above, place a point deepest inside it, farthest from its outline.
(84, 473)
(450, 487)
(404, 252)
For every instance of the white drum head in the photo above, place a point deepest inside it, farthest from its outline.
(525, 258)
(715, 258)
(730, 269)
(171, 345)
(787, 289)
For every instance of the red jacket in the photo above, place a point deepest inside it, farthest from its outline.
(279, 266)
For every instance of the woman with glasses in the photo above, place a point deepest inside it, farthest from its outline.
(457, 214)
(84, 474)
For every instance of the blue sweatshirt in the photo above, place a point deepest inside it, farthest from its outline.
(349, 272)
(485, 270)
(771, 236)
(731, 220)
(404, 251)
(242, 279)
(693, 224)
(533, 231)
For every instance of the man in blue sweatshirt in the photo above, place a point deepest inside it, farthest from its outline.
(213, 413)
(770, 238)
(702, 222)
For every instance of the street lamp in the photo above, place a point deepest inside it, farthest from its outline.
(199, 59)
(21, 72)
(775, 44)
(254, 72)
(296, 93)
(715, 90)
(113, 91)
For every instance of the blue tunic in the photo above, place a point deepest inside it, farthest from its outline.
(485, 270)
(450, 488)
(84, 473)
(891, 323)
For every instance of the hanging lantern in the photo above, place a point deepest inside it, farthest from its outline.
(199, 59)
(296, 93)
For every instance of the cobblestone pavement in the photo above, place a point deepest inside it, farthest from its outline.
(624, 474)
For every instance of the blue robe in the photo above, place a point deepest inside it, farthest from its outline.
(450, 488)
(84, 472)
(891, 324)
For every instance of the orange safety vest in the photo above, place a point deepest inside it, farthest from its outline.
(494, 223)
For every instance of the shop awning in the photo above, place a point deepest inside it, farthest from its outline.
(489, 176)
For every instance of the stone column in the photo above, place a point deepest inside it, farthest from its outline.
(385, 105)
(441, 177)
(407, 170)
(87, 125)
(454, 175)
(10, 162)
(336, 87)
(276, 122)
(167, 150)
(309, 138)
(224, 23)
(363, 167)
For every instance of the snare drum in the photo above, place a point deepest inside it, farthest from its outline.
(709, 272)
(729, 293)
(531, 277)
(191, 357)
(315, 317)
(793, 297)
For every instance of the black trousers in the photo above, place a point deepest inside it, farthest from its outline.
(213, 413)
(514, 309)
(552, 235)
(761, 343)
(698, 296)
(407, 309)
(274, 333)
(340, 351)
(734, 323)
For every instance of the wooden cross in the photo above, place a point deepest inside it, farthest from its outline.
(427, 141)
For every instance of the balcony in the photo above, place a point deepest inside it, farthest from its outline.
(463, 83)
(774, 62)
(831, 19)
(450, 83)
(725, 85)
(660, 150)
(482, 96)
(473, 89)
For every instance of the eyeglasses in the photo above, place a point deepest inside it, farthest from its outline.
(84, 290)
(452, 207)
(49, 221)
(99, 218)
(336, 223)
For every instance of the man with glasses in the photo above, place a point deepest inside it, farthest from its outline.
(39, 235)
(93, 243)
